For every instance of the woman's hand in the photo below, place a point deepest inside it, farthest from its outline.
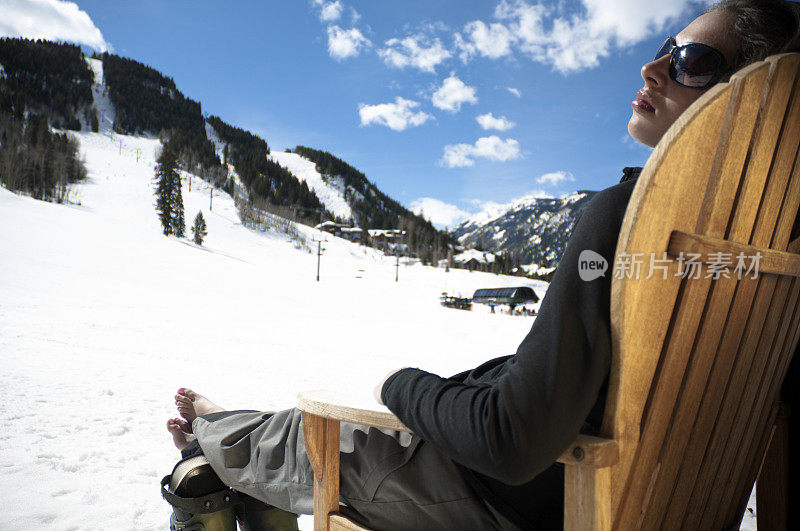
(377, 391)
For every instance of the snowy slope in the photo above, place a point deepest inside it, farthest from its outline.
(219, 146)
(102, 318)
(105, 109)
(330, 192)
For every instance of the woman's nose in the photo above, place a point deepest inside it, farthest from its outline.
(656, 72)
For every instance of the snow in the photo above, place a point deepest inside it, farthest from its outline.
(219, 148)
(374, 233)
(488, 214)
(105, 109)
(469, 254)
(332, 196)
(574, 197)
(492, 211)
(102, 318)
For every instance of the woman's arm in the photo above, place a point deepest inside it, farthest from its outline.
(514, 426)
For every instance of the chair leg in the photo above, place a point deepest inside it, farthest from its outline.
(587, 498)
(321, 438)
(772, 487)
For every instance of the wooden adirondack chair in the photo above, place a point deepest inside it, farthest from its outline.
(697, 362)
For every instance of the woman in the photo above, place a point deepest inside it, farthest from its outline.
(485, 441)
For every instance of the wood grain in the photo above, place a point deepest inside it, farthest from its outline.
(773, 155)
(348, 408)
(771, 260)
(340, 523)
(686, 166)
(660, 393)
(591, 452)
(321, 437)
(587, 498)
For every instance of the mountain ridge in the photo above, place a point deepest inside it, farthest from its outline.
(535, 230)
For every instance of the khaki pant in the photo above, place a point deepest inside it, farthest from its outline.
(389, 480)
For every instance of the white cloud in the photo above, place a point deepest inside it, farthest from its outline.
(488, 147)
(53, 20)
(398, 116)
(417, 51)
(343, 44)
(333, 10)
(452, 94)
(569, 42)
(488, 121)
(329, 11)
(441, 214)
(487, 40)
(514, 91)
(555, 178)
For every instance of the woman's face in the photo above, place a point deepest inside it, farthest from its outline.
(659, 103)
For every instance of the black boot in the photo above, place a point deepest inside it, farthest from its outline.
(200, 500)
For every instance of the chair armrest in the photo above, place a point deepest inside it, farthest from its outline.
(348, 408)
(592, 452)
(586, 451)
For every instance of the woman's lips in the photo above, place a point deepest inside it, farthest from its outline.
(641, 104)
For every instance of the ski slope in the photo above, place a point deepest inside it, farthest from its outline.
(332, 196)
(102, 318)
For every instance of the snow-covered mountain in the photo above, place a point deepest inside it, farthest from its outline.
(330, 191)
(535, 227)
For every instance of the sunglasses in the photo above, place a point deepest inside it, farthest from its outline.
(693, 65)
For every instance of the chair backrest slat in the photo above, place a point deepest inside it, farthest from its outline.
(726, 382)
(771, 360)
(763, 414)
(698, 361)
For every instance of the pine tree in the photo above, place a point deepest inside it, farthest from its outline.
(166, 167)
(167, 199)
(199, 229)
(178, 221)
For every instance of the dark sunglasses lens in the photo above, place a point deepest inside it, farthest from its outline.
(665, 49)
(695, 66)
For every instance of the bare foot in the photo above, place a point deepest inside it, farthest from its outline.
(192, 405)
(179, 435)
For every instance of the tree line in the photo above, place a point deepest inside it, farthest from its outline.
(42, 84)
(35, 161)
(266, 179)
(47, 79)
(147, 101)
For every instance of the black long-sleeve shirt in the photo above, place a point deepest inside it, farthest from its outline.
(507, 421)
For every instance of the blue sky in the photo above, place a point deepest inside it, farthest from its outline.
(449, 106)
